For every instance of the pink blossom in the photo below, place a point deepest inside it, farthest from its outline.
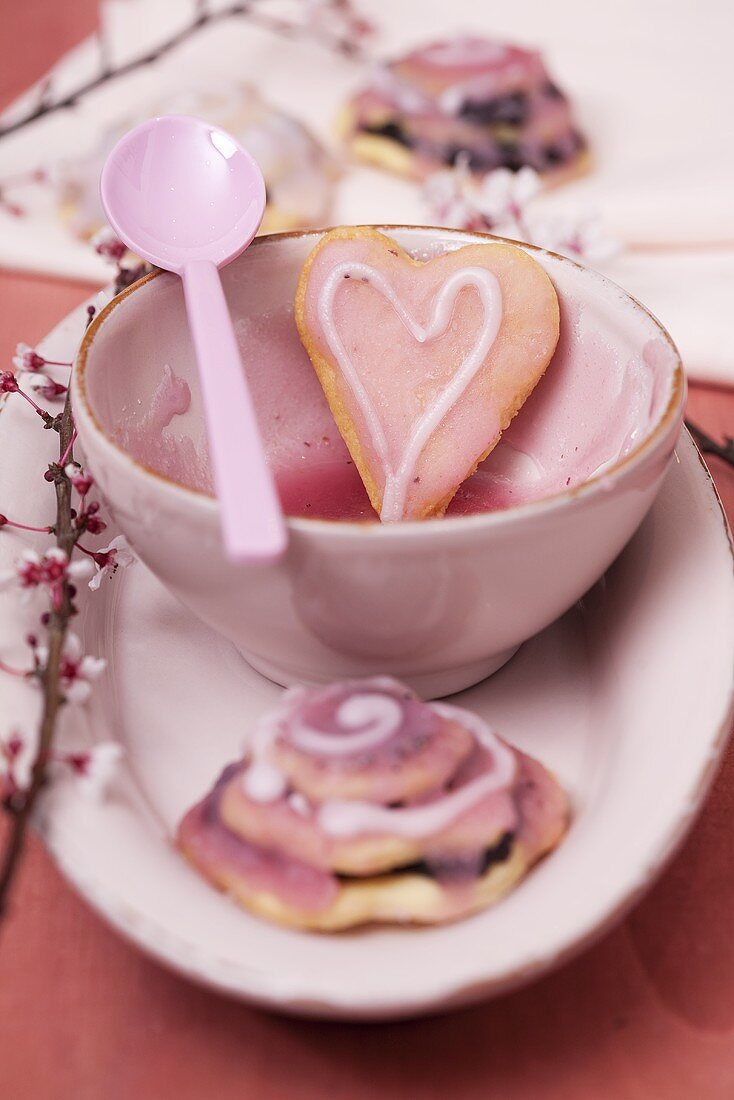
(11, 749)
(12, 746)
(13, 208)
(34, 570)
(502, 195)
(27, 358)
(94, 768)
(583, 239)
(77, 670)
(449, 194)
(90, 520)
(107, 244)
(338, 17)
(500, 200)
(8, 382)
(46, 387)
(94, 524)
(117, 555)
(81, 481)
(497, 201)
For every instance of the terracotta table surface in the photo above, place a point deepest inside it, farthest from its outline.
(647, 1013)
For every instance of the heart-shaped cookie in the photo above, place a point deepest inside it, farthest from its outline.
(424, 364)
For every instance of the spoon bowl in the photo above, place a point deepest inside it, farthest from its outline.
(183, 190)
(185, 196)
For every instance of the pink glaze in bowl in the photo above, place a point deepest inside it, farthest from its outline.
(440, 603)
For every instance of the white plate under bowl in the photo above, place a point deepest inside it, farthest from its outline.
(627, 698)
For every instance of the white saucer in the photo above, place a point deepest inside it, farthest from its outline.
(628, 699)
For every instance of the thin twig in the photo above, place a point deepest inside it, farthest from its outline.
(203, 18)
(710, 446)
(103, 48)
(21, 802)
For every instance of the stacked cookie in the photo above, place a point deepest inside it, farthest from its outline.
(358, 803)
(489, 104)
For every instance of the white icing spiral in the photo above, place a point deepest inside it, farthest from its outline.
(366, 721)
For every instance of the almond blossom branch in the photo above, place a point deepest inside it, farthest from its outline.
(21, 802)
(346, 40)
(50, 671)
(498, 203)
(58, 664)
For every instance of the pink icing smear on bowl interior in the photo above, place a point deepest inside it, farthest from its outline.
(605, 389)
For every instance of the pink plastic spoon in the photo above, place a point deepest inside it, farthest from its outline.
(186, 196)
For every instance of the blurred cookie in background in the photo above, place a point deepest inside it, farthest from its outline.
(489, 104)
(299, 173)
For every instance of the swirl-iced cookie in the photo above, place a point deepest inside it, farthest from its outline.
(493, 104)
(449, 818)
(423, 364)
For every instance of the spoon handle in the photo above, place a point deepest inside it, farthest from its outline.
(251, 517)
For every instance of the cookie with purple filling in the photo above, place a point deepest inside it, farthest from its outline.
(288, 834)
(494, 105)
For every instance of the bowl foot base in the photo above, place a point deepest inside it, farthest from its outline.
(428, 685)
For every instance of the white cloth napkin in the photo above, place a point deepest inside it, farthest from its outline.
(652, 83)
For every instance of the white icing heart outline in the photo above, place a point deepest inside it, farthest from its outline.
(488, 287)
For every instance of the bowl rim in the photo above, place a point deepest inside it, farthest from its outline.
(669, 419)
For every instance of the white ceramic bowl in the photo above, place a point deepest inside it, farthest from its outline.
(440, 603)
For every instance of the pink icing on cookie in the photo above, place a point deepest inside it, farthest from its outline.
(226, 856)
(399, 474)
(423, 365)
